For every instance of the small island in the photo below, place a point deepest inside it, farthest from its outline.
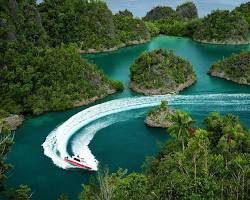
(235, 68)
(161, 72)
(218, 27)
(9, 122)
(160, 117)
(91, 25)
(223, 27)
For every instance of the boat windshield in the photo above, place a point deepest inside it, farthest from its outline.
(76, 159)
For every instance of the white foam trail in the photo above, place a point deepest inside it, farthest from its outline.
(81, 142)
(55, 145)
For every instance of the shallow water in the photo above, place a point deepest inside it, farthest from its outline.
(122, 139)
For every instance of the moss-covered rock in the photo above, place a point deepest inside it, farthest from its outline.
(235, 68)
(160, 72)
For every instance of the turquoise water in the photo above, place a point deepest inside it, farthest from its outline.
(126, 141)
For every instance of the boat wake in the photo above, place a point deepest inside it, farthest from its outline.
(55, 145)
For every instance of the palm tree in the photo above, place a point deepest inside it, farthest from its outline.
(182, 122)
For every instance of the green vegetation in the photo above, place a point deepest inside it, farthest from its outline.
(50, 79)
(87, 23)
(220, 27)
(159, 12)
(6, 141)
(117, 85)
(208, 163)
(235, 68)
(187, 10)
(160, 72)
(153, 28)
(35, 77)
(176, 26)
(165, 20)
(126, 13)
(90, 24)
(244, 10)
(129, 30)
(160, 116)
(223, 27)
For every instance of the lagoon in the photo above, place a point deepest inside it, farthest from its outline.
(122, 139)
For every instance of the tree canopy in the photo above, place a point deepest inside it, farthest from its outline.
(244, 10)
(160, 72)
(37, 77)
(160, 12)
(235, 68)
(187, 10)
(90, 24)
(213, 165)
(223, 27)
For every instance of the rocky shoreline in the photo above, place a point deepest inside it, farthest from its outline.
(160, 121)
(136, 42)
(161, 91)
(131, 43)
(229, 42)
(222, 75)
(93, 99)
(12, 122)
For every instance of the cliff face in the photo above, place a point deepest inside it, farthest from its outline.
(161, 72)
(235, 68)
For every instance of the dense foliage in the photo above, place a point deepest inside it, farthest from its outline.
(160, 116)
(45, 79)
(160, 12)
(235, 68)
(90, 24)
(208, 163)
(35, 77)
(176, 26)
(244, 10)
(6, 141)
(165, 20)
(161, 70)
(129, 30)
(87, 23)
(126, 13)
(187, 10)
(153, 28)
(218, 27)
(223, 27)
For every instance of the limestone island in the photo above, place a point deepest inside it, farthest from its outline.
(160, 72)
(235, 68)
(223, 27)
(9, 122)
(160, 117)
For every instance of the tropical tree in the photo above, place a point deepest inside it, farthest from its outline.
(103, 186)
(182, 122)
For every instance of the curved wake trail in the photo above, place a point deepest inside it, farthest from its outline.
(55, 145)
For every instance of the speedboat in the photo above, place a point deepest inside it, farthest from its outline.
(77, 161)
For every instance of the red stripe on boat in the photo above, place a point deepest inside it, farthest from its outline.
(77, 164)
